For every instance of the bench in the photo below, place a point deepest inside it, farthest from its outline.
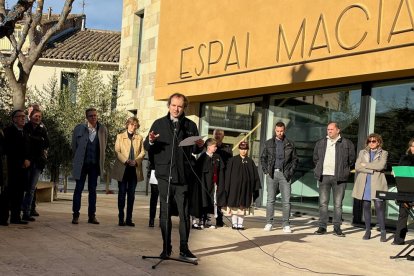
(44, 191)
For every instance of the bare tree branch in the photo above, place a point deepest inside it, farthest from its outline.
(2, 10)
(36, 22)
(37, 35)
(16, 14)
(35, 52)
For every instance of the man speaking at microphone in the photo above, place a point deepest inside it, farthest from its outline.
(172, 167)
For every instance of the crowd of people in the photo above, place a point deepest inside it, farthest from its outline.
(24, 143)
(214, 184)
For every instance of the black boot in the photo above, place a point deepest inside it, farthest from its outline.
(367, 235)
(383, 236)
(75, 219)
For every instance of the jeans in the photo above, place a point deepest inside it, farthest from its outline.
(179, 196)
(279, 182)
(33, 177)
(126, 187)
(329, 182)
(92, 171)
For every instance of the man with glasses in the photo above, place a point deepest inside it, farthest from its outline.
(88, 145)
(16, 146)
(333, 157)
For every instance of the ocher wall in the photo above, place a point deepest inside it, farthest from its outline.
(219, 49)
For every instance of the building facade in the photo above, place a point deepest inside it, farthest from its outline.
(246, 66)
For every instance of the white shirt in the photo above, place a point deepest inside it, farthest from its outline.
(329, 161)
(92, 132)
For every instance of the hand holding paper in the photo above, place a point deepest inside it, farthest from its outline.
(190, 141)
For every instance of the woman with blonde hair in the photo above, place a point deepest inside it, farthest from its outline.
(127, 169)
(370, 167)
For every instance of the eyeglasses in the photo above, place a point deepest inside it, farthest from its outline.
(372, 141)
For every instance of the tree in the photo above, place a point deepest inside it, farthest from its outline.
(62, 112)
(6, 104)
(18, 64)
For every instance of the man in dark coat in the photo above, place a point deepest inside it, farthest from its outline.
(225, 153)
(279, 161)
(173, 169)
(242, 185)
(17, 150)
(333, 157)
(39, 143)
(3, 198)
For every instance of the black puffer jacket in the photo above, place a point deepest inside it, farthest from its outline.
(267, 159)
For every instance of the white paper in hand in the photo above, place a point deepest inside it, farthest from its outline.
(189, 141)
(153, 179)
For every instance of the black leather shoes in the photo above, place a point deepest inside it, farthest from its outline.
(338, 232)
(320, 231)
(121, 223)
(93, 220)
(188, 256)
(34, 213)
(166, 253)
(28, 218)
(151, 223)
(18, 221)
(75, 220)
(398, 242)
(367, 235)
(130, 223)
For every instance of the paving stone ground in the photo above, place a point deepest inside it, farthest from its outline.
(53, 246)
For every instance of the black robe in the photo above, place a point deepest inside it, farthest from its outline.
(242, 182)
(202, 194)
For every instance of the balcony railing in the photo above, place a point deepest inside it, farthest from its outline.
(229, 120)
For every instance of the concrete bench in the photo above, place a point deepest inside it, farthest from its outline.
(44, 191)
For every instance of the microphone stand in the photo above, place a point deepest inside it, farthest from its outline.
(166, 245)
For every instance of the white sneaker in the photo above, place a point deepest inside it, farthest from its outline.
(287, 229)
(268, 227)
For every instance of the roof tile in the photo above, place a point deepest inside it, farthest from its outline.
(86, 45)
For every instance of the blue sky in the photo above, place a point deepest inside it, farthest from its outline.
(100, 14)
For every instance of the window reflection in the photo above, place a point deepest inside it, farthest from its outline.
(240, 120)
(306, 118)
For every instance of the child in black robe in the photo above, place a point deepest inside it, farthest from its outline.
(210, 170)
(242, 185)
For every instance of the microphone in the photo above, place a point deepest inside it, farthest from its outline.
(175, 123)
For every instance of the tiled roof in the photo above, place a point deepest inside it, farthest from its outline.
(86, 45)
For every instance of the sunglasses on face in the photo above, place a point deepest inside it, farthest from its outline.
(372, 141)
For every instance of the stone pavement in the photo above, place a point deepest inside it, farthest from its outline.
(53, 246)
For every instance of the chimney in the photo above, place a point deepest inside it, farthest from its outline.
(83, 22)
(49, 13)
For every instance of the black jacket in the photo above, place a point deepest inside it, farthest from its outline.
(344, 158)
(163, 148)
(267, 159)
(39, 143)
(406, 160)
(16, 147)
(202, 194)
